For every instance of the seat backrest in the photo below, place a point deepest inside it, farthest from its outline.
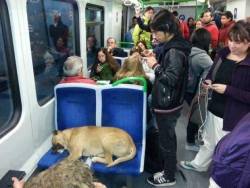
(119, 60)
(124, 107)
(75, 105)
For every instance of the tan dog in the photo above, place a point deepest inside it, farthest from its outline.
(100, 142)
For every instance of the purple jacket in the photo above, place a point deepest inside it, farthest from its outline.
(238, 93)
(231, 160)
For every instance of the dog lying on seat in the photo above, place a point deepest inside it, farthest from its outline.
(100, 142)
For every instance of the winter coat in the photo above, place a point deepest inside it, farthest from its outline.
(142, 35)
(171, 74)
(106, 73)
(214, 32)
(223, 34)
(238, 93)
(231, 159)
(199, 65)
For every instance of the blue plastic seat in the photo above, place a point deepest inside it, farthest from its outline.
(75, 106)
(124, 106)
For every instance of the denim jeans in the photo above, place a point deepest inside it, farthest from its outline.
(167, 138)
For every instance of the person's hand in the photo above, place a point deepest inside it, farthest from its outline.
(137, 12)
(219, 88)
(151, 61)
(206, 84)
(148, 53)
(99, 68)
(17, 183)
(99, 185)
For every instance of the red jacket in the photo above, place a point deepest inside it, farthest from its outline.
(213, 30)
(223, 34)
(184, 30)
(77, 79)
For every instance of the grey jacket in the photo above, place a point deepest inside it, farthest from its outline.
(199, 65)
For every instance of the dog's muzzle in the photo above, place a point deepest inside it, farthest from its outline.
(56, 147)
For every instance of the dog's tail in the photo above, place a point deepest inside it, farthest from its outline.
(131, 155)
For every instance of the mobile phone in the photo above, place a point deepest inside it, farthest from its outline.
(6, 181)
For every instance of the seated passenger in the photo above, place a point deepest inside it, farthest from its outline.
(72, 70)
(113, 49)
(132, 67)
(66, 174)
(105, 66)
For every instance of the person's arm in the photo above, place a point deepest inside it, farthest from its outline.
(136, 34)
(106, 73)
(204, 62)
(214, 36)
(142, 25)
(238, 94)
(169, 75)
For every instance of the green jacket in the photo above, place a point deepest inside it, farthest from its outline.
(141, 35)
(105, 74)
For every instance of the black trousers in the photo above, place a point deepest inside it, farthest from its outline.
(167, 138)
(192, 131)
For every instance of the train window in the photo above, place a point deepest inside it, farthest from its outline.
(54, 35)
(10, 104)
(95, 31)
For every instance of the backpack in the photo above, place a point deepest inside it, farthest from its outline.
(231, 160)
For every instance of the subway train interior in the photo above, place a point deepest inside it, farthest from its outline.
(31, 67)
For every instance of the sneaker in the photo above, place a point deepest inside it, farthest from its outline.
(160, 181)
(188, 165)
(192, 147)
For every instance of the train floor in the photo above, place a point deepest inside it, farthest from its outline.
(193, 179)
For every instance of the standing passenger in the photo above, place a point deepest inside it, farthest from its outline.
(140, 34)
(229, 78)
(227, 23)
(171, 74)
(199, 65)
(209, 24)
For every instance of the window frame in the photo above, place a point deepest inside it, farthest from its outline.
(46, 99)
(11, 69)
(102, 23)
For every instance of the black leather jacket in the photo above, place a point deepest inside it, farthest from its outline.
(171, 75)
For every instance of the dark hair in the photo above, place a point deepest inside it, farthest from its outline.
(94, 38)
(201, 38)
(240, 32)
(190, 18)
(165, 21)
(175, 13)
(206, 11)
(109, 59)
(143, 42)
(228, 14)
(148, 9)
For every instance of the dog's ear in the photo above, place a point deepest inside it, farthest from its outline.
(55, 132)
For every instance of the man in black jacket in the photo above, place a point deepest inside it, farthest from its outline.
(171, 76)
